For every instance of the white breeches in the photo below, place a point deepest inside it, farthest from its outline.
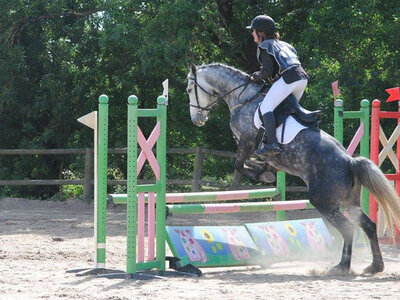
(279, 91)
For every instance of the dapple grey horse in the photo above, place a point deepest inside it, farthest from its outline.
(333, 177)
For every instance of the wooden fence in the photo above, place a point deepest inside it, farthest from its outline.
(196, 182)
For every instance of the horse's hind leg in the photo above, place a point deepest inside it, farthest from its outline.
(346, 229)
(369, 228)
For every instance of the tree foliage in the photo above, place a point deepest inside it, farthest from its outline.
(57, 57)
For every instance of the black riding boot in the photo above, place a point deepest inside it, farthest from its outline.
(270, 142)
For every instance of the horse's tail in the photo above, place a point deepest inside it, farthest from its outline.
(379, 186)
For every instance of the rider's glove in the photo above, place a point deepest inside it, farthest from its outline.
(256, 76)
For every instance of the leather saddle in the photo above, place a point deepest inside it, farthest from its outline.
(291, 107)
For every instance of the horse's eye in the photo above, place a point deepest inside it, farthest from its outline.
(189, 91)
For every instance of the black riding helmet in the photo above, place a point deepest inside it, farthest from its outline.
(265, 24)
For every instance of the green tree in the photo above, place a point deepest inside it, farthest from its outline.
(57, 57)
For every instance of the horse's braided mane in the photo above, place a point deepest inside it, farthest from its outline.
(235, 72)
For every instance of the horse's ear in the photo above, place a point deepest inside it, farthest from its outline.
(193, 69)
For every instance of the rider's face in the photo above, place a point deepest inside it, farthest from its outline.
(255, 36)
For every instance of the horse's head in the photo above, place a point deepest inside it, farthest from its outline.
(202, 95)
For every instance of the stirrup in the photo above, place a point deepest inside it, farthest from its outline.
(273, 148)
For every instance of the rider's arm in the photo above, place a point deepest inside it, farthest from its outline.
(268, 67)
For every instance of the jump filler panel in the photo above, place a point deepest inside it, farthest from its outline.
(207, 246)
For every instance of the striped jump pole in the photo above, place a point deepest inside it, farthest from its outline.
(220, 196)
(208, 196)
(223, 208)
(361, 137)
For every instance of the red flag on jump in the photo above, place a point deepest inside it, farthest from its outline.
(394, 94)
(335, 89)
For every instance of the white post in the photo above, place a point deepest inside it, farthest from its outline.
(90, 120)
(165, 87)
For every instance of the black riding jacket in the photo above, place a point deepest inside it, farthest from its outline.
(278, 59)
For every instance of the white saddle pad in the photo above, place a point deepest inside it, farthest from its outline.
(292, 128)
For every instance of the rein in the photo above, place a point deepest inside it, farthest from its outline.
(211, 105)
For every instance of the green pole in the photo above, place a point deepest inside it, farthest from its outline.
(364, 149)
(281, 185)
(102, 181)
(161, 153)
(338, 121)
(131, 210)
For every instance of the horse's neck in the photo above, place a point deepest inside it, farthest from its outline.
(233, 97)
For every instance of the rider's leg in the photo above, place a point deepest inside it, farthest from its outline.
(279, 91)
(276, 94)
(299, 90)
(270, 142)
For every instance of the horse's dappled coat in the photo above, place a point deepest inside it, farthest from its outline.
(333, 177)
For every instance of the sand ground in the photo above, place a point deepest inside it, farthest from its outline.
(41, 240)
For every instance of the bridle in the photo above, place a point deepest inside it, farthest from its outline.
(218, 97)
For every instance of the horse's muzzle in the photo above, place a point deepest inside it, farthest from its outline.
(199, 120)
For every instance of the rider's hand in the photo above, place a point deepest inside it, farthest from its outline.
(255, 76)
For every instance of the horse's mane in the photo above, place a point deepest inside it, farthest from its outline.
(233, 71)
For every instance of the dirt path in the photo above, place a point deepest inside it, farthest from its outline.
(41, 240)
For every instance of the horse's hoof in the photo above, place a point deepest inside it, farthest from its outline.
(339, 270)
(267, 177)
(373, 269)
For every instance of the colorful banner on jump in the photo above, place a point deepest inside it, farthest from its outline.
(288, 238)
(249, 244)
(204, 246)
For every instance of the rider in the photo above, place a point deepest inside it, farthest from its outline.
(281, 67)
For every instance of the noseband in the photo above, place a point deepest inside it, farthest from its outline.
(219, 97)
(208, 107)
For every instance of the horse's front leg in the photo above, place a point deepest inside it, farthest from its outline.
(244, 166)
(265, 172)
